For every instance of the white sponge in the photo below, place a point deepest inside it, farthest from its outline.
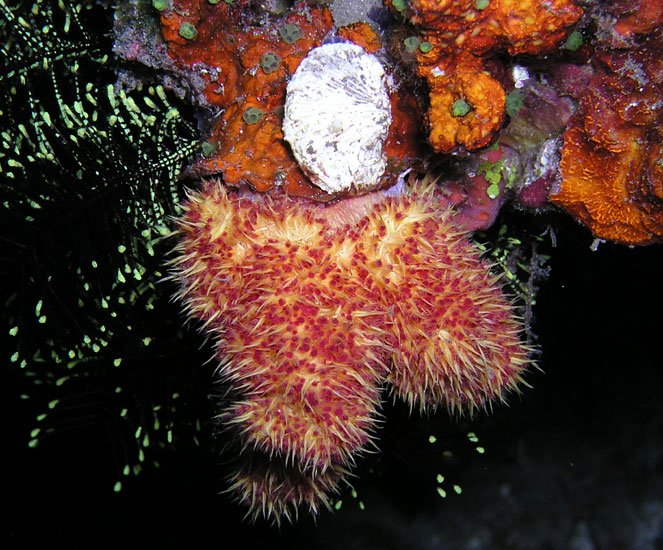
(337, 115)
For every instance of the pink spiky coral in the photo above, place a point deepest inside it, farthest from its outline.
(455, 338)
(314, 307)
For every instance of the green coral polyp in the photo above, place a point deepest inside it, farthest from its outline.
(574, 41)
(188, 31)
(411, 44)
(270, 62)
(290, 33)
(425, 47)
(514, 102)
(161, 5)
(252, 115)
(208, 148)
(460, 108)
(493, 191)
(399, 5)
(493, 173)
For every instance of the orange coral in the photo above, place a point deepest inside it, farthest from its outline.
(610, 192)
(612, 160)
(450, 126)
(363, 35)
(523, 26)
(248, 151)
(245, 69)
(639, 17)
(457, 37)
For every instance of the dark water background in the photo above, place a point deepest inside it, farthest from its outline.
(575, 462)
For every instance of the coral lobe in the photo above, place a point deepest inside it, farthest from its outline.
(463, 36)
(612, 155)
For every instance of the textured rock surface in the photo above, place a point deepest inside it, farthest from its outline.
(346, 12)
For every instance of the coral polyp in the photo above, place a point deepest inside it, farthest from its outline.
(313, 308)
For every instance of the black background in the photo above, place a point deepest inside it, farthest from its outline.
(575, 462)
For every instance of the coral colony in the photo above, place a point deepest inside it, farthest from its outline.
(313, 308)
(323, 246)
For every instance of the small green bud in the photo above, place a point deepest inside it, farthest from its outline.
(399, 5)
(188, 31)
(481, 4)
(493, 176)
(208, 148)
(514, 102)
(460, 108)
(411, 44)
(252, 115)
(425, 47)
(270, 62)
(493, 191)
(290, 33)
(213, 2)
(574, 41)
(161, 5)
